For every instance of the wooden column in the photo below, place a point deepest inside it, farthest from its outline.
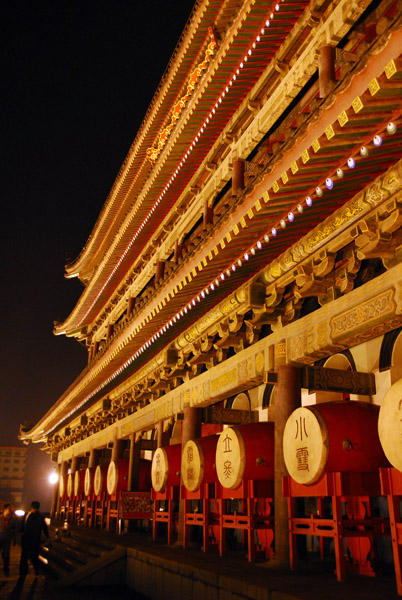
(191, 430)
(134, 464)
(130, 305)
(237, 177)
(208, 213)
(160, 269)
(326, 68)
(159, 434)
(287, 399)
(75, 464)
(94, 457)
(118, 449)
(177, 251)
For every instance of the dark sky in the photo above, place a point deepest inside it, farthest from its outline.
(76, 80)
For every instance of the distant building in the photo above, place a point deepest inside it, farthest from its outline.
(12, 473)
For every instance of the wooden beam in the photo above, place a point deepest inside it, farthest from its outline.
(332, 380)
(338, 380)
(229, 416)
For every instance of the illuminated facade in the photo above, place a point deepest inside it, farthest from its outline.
(253, 231)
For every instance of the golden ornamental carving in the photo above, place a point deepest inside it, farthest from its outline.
(228, 379)
(153, 152)
(259, 362)
(213, 317)
(374, 332)
(296, 346)
(322, 333)
(332, 225)
(360, 316)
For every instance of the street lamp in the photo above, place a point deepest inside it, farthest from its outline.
(53, 478)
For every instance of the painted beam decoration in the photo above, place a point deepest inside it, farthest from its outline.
(153, 153)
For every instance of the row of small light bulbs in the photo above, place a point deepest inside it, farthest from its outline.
(207, 120)
(185, 157)
(329, 184)
(212, 286)
(319, 190)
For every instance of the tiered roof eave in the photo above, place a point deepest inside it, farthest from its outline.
(116, 218)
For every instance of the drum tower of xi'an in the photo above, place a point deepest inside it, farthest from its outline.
(242, 303)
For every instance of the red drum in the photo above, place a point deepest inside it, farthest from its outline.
(89, 481)
(334, 436)
(245, 452)
(165, 469)
(198, 462)
(117, 475)
(79, 481)
(100, 478)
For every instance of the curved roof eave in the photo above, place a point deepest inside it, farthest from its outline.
(104, 229)
(72, 323)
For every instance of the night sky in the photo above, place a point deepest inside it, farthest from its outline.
(76, 80)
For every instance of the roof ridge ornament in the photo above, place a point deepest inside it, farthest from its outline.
(152, 152)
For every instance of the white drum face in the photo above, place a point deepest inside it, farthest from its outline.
(230, 458)
(69, 485)
(390, 425)
(160, 470)
(192, 465)
(305, 445)
(87, 483)
(98, 482)
(111, 479)
(77, 483)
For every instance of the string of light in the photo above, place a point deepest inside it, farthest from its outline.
(330, 181)
(265, 24)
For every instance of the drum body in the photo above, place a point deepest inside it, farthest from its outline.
(245, 452)
(198, 462)
(117, 475)
(333, 436)
(166, 467)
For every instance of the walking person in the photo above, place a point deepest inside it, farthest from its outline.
(8, 534)
(32, 528)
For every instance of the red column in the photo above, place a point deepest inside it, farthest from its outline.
(287, 399)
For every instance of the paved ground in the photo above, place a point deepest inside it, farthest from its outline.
(37, 588)
(316, 581)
